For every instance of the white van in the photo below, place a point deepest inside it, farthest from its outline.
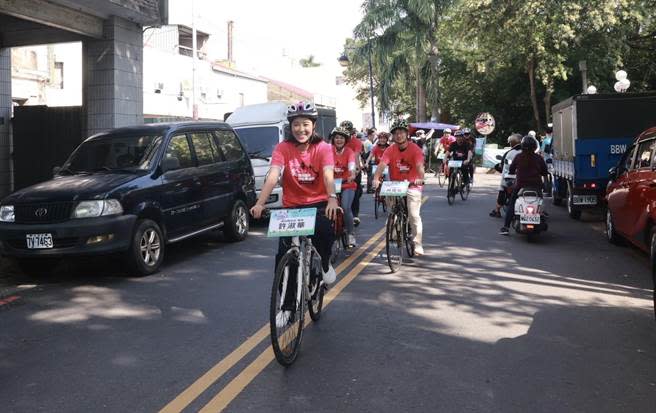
(261, 127)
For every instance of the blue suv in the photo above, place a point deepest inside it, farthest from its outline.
(131, 191)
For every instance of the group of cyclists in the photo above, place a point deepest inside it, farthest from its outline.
(308, 167)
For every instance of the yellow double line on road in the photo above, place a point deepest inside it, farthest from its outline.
(225, 396)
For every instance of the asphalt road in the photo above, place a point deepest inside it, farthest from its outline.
(482, 323)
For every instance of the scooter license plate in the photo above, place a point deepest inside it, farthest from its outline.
(529, 219)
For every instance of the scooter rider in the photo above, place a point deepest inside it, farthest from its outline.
(514, 141)
(530, 168)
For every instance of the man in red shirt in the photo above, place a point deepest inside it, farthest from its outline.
(406, 163)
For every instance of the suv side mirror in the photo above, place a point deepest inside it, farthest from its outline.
(499, 157)
(170, 164)
(612, 173)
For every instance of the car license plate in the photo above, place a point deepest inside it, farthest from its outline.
(39, 241)
(585, 199)
(529, 219)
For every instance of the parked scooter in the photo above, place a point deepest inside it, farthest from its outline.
(529, 218)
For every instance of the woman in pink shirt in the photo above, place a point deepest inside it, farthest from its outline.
(306, 164)
(345, 170)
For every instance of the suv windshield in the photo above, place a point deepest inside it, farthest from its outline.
(114, 153)
(259, 141)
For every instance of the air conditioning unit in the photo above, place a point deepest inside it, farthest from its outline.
(159, 87)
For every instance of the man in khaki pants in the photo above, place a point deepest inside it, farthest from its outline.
(406, 163)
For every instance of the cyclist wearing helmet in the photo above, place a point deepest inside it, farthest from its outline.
(355, 144)
(471, 141)
(345, 170)
(378, 149)
(530, 168)
(406, 163)
(306, 165)
(460, 150)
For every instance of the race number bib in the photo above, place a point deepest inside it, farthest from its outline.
(292, 222)
(455, 164)
(394, 188)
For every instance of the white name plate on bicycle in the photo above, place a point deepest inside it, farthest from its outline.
(394, 188)
(338, 185)
(455, 164)
(292, 222)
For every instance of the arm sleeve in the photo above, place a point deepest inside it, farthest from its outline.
(351, 161)
(513, 166)
(387, 156)
(326, 156)
(277, 157)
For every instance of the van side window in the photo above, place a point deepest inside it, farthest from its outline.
(645, 152)
(627, 161)
(229, 144)
(205, 148)
(179, 148)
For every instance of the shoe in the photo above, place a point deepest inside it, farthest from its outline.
(495, 214)
(282, 318)
(356, 221)
(504, 231)
(351, 241)
(329, 276)
(419, 250)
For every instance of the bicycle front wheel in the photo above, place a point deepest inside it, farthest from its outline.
(394, 242)
(376, 202)
(407, 236)
(464, 191)
(286, 310)
(451, 189)
(315, 300)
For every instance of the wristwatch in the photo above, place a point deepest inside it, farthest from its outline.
(333, 196)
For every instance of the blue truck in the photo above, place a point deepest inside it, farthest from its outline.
(591, 132)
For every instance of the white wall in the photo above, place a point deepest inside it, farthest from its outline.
(173, 70)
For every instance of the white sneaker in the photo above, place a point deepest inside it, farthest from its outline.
(282, 318)
(330, 276)
(351, 240)
(419, 250)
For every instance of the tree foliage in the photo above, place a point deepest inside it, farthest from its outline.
(513, 58)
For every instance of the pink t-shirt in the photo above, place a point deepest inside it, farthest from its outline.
(355, 145)
(378, 153)
(344, 163)
(302, 175)
(403, 164)
(447, 141)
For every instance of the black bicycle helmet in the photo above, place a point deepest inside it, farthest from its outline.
(340, 131)
(399, 124)
(348, 125)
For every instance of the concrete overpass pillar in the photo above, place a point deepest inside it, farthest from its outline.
(5, 121)
(113, 83)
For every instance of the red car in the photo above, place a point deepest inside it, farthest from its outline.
(631, 198)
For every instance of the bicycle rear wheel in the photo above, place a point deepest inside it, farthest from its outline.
(286, 339)
(394, 242)
(315, 300)
(464, 191)
(407, 237)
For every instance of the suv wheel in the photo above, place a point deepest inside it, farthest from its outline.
(611, 234)
(146, 251)
(237, 224)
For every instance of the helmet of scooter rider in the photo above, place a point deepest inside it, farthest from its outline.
(514, 139)
(529, 144)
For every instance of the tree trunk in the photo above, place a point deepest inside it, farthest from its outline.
(547, 103)
(534, 98)
(421, 97)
